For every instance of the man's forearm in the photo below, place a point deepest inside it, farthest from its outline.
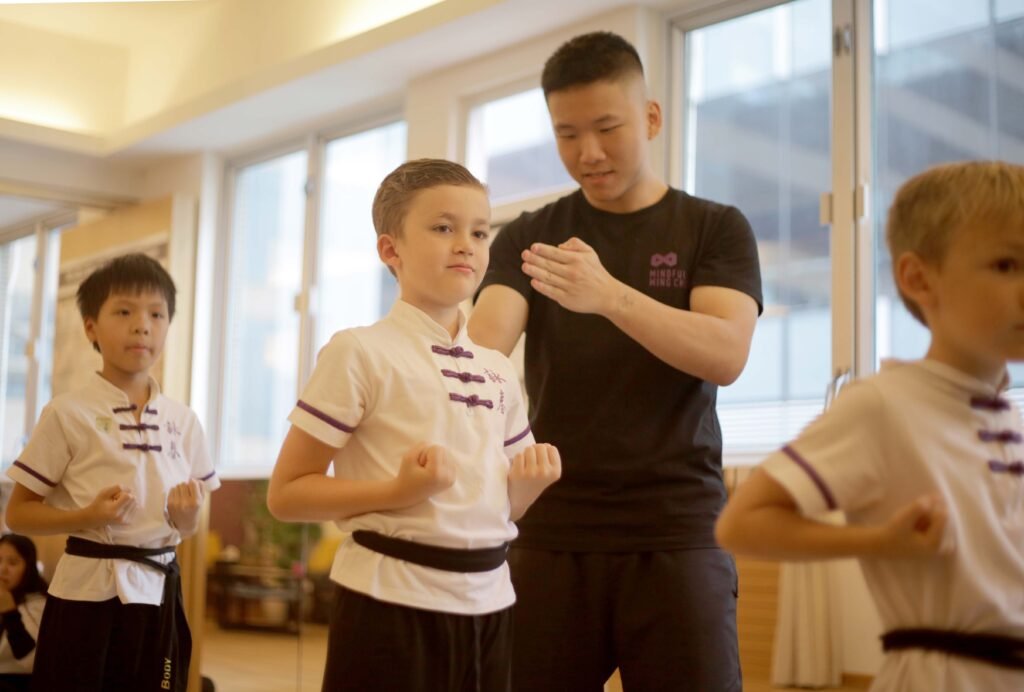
(704, 346)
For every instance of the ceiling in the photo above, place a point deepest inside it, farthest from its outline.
(256, 92)
(14, 211)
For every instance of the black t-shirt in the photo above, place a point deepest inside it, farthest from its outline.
(640, 442)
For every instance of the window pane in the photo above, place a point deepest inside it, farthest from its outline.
(48, 323)
(963, 70)
(17, 283)
(511, 147)
(1009, 9)
(758, 111)
(261, 351)
(355, 288)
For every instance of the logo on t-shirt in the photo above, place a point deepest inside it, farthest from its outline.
(664, 273)
(104, 424)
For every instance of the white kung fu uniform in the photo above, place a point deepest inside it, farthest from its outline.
(89, 440)
(378, 391)
(914, 429)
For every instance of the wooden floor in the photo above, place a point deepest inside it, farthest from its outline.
(246, 661)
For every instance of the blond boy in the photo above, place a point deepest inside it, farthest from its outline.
(925, 456)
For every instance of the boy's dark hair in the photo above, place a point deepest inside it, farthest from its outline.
(31, 580)
(391, 202)
(125, 274)
(589, 58)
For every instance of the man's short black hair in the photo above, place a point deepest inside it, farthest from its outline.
(132, 273)
(589, 58)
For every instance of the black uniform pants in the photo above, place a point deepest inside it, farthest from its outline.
(666, 620)
(373, 646)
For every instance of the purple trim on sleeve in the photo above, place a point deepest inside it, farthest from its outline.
(208, 476)
(324, 417)
(990, 403)
(124, 409)
(454, 351)
(1004, 436)
(1015, 468)
(463, 376)
(472, 400)
(830, 500)
(518, 437)
(34, 474)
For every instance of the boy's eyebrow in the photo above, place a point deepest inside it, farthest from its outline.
(448, 216)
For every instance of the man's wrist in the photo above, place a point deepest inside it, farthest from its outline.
(620, 300)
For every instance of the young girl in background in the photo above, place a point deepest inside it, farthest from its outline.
(22, 597)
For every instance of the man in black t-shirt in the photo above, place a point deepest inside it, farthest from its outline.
(637, 301)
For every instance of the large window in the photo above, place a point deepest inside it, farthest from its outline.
(962, 64)
(354, 287)
(293, 277)
(261, 345)
(817, 96)
(28, 281)
(757, 97)
(510, 146)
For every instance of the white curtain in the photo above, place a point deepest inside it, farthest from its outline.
(808, 632)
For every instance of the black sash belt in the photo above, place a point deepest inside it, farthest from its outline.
(997, 649)
(171, 671)
(447, 559)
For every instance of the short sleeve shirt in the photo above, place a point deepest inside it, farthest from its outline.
(639, 440)
(89, 440)
(378, 391)
(915, 429)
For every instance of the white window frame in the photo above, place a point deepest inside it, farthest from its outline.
(314, 144)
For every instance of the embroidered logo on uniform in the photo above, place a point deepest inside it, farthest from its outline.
(104, 424)
(664, 273)
(173, 429)
(501, 401)
(493, 376)
(173, 451)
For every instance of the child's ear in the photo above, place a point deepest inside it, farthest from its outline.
(90, 328)
(90, 332)
(915, 278)
(387, 250)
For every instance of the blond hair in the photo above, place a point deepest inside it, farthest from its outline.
(391, 203)
(949, 198)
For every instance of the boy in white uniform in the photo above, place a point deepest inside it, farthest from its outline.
(924, 457)
(122, 469)
(432, 452)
